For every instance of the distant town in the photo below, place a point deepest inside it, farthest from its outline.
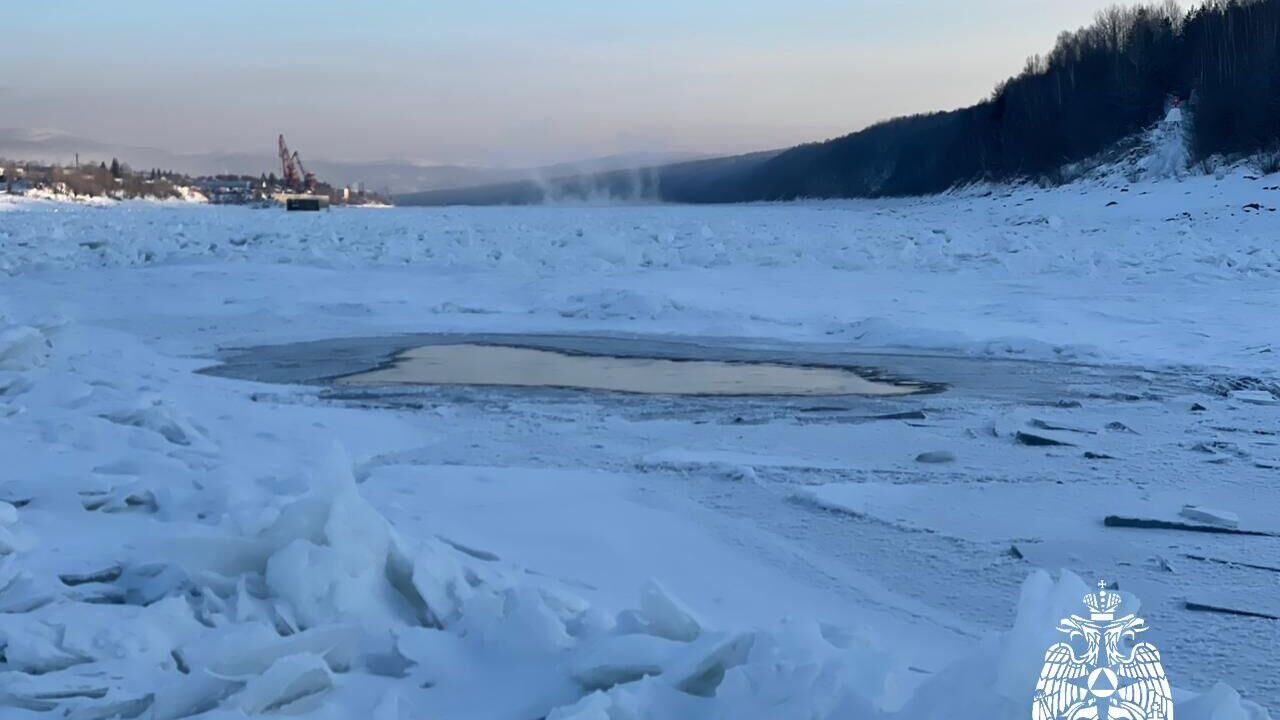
(293, 187)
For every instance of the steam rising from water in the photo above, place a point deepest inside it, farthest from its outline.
(633, 186)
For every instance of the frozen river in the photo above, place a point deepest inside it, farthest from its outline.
(940, 499)
(424, 454)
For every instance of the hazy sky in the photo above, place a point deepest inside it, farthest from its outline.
(504, 81)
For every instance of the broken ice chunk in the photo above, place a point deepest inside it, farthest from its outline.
(1255, 397)
(1210, 516)
(288, 681)
(605, 662)
(22, 348)
(660, 614)
(1033, 440)
(700, 670)
(667, 616)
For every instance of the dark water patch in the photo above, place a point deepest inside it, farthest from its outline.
(476, 364)
(649, 366)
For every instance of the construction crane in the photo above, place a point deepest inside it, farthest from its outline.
(308, 179)
(293, 174)
(288, 171)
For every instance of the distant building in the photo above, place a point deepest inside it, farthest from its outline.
(228, 192)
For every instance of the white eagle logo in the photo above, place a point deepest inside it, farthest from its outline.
(1098, 673)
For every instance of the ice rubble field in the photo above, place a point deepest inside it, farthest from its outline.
(178, 545)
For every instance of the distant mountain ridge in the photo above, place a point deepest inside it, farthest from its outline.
(705, 180)
(53, 146)
(1099, 85)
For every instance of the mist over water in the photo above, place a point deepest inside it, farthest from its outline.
(633, 186)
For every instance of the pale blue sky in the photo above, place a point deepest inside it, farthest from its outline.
(505, 81)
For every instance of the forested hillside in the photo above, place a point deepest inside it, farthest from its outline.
(1097, 86)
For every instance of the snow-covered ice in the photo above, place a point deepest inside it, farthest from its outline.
(176, 544)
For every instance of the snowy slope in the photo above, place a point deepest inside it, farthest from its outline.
(177, 544)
